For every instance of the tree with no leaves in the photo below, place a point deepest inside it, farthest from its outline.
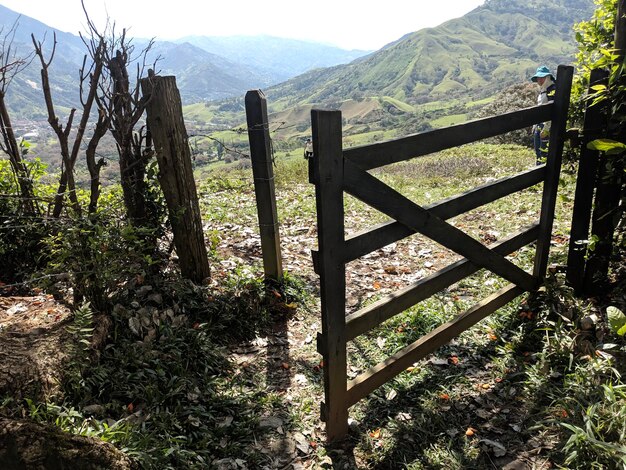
(10, 66)
(120, 99)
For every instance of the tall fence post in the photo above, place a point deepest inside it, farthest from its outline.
(326, 172)
(553, 167)
(261, 155)
(167, 126)
(594, 124)
(607, 210)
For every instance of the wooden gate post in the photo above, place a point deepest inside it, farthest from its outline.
(261, 155)
(326, 172)
(607, 210)
(165, 121)
(593, 128)
(553, 167)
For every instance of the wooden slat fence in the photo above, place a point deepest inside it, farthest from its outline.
(335, 171)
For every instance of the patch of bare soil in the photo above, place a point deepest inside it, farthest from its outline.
(33, 353)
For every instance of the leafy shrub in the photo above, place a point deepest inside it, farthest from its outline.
(94, 259)
(21, 250)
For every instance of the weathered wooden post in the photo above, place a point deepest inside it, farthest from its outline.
(260, 153)
(165, 121)
(553, 167)
(607, 210)
(594, 126)
(326, 172)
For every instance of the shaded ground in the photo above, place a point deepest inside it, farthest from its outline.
(26, 445)
(479, 405)
(474, 404)
(34, 351)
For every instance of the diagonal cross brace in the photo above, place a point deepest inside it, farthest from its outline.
(381, 197)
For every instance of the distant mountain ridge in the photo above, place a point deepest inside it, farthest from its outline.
(281, 58)
(476, 55)
(201, 73)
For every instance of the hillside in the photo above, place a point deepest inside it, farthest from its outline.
(203, 76)
(495, 45)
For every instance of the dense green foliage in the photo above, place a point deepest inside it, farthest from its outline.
(21, 247)
(595, 38)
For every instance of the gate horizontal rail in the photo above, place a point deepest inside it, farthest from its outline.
(380, 154)
(375, 377)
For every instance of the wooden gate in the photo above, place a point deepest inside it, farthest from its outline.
(334, 170)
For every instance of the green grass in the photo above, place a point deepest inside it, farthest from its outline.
(449, 120)
(407, 108)
(482, 102)
(513, 379)
(198, 111)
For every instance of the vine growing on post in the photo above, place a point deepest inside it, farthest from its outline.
(602, 45)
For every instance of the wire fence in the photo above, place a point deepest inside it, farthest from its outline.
(243, 205)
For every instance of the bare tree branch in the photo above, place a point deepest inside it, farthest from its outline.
(9, 67)
(119, 96)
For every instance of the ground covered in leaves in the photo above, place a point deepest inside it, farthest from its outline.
(227, 375)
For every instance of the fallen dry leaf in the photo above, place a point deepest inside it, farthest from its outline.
(470, 431)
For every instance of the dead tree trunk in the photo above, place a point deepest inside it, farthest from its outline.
(90, 155)
(67, 182)
(10, 146)
(10, 67)
(126, 111)
(169, 136)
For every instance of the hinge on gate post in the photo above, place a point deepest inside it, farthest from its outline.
(323, 412)
(321, 344)
(316, 261)
(313, 175)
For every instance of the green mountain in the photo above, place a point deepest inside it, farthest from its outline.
(495, 45)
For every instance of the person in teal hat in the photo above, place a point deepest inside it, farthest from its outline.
(547, 90)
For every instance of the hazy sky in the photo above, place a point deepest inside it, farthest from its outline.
(346, 23)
